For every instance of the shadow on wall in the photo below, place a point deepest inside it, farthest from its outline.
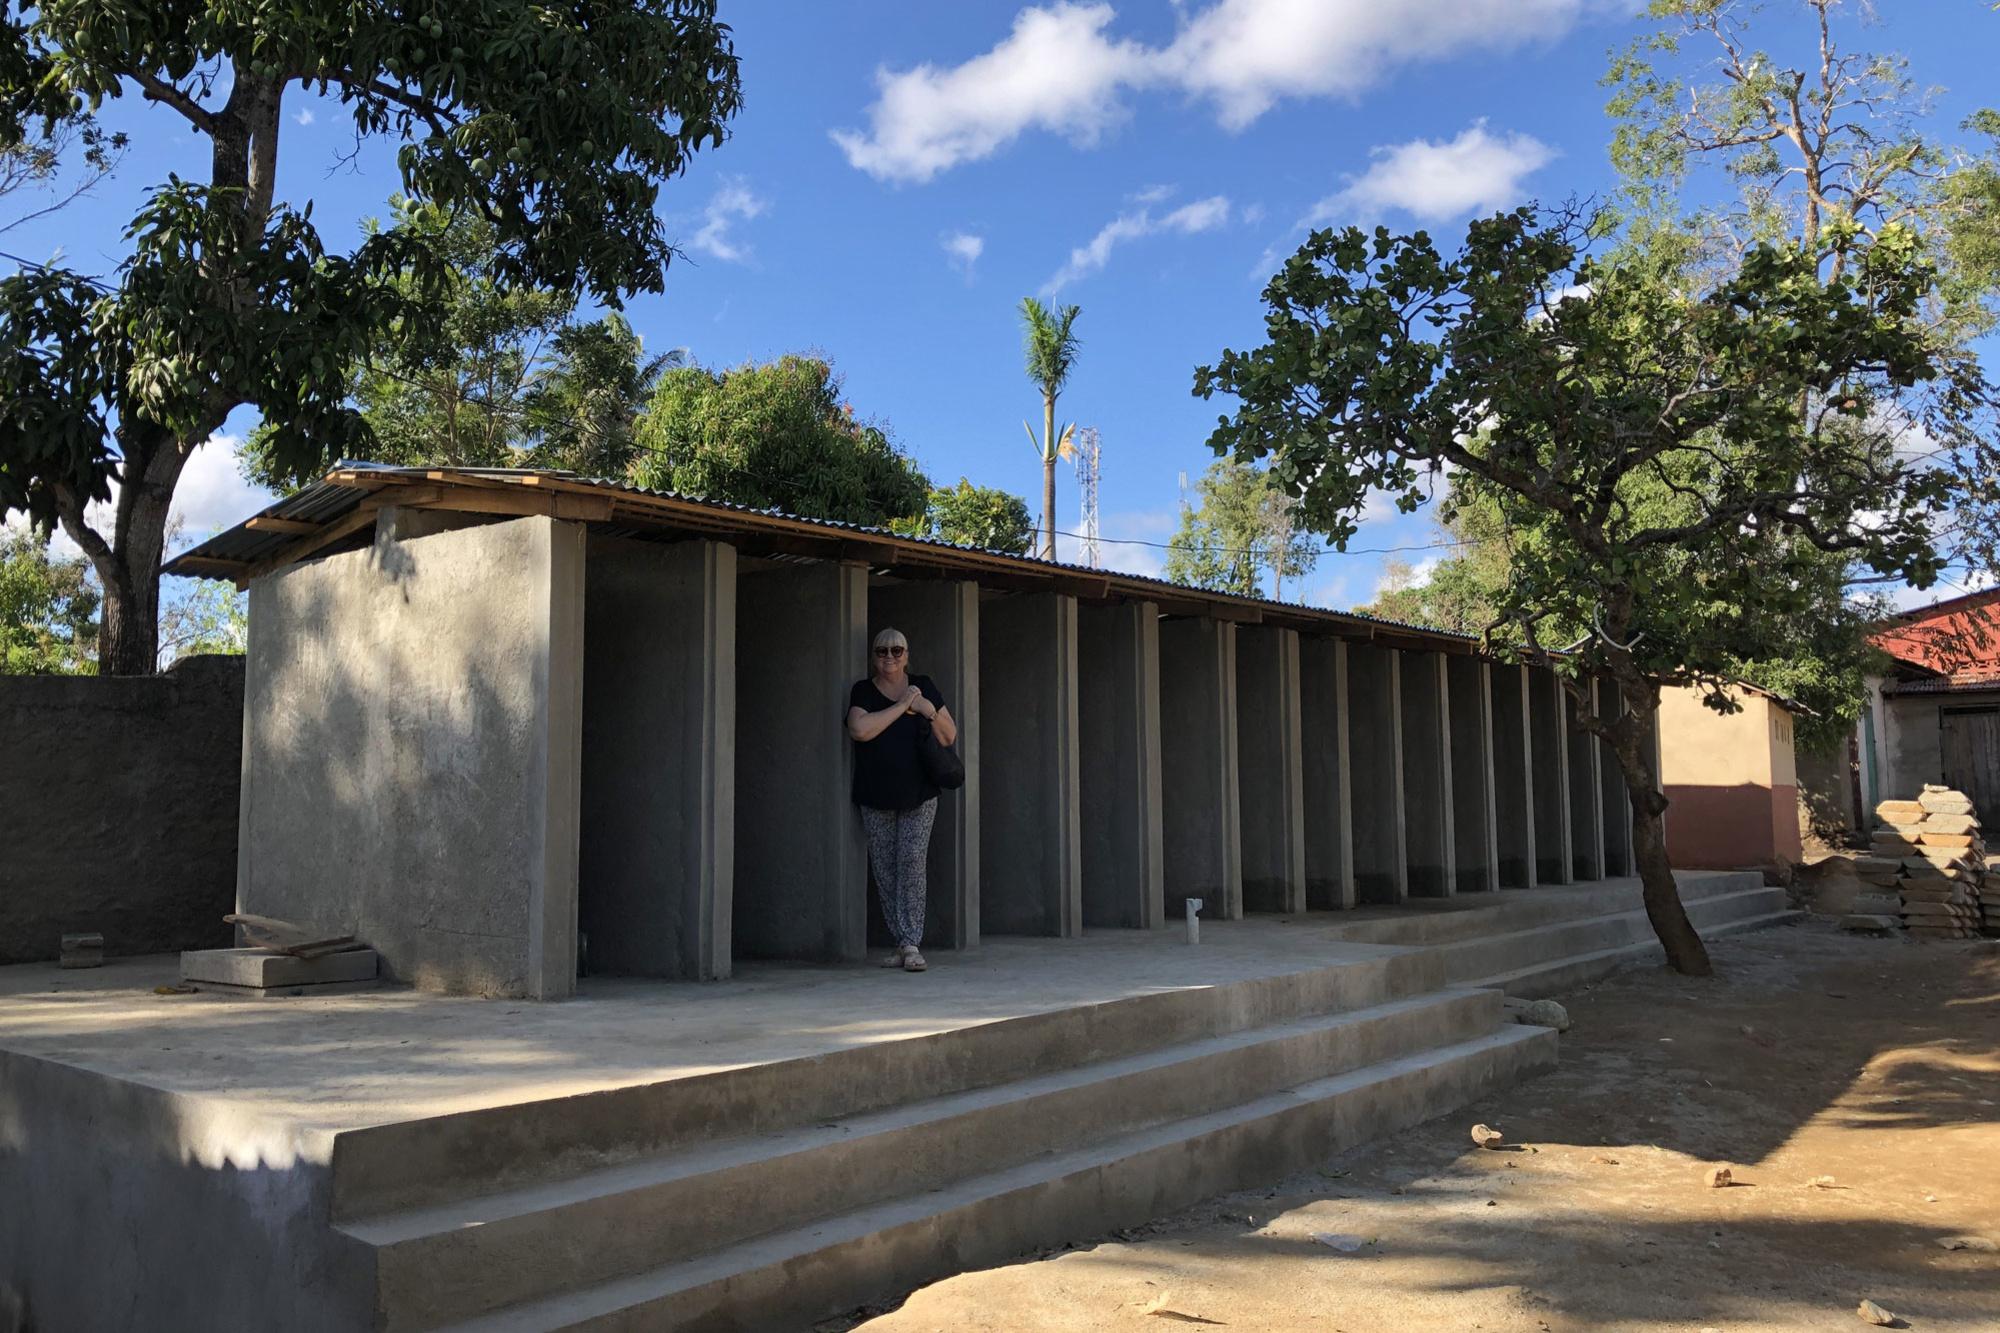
(121, 794)
(398, 748)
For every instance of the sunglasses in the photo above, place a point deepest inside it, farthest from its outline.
(890, 652)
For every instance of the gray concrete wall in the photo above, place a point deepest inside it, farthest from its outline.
(1031, 848)
(1586, 795)
(1329, 843)
(411, 753)
(127, 1207)
(1547, 710)
(1118, 719)
(1203, 833)
(1615, 803)
(1513, 777)
(658, 845)
(1271, 780)
(120, 795)
(1375, 760)
(941, 621)
(1428, 839)
(1475, 847)
(801, 862)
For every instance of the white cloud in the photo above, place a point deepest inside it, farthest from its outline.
(1479, 171)
(1187, 220)
(1056, 71)
(963, 249)
(305, 116)
(1130, 541)
(732, 203)
(1062, 71)
(1153, 194)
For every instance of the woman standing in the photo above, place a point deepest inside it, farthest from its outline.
(887, 715)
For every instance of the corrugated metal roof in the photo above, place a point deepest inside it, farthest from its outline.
(331, 499)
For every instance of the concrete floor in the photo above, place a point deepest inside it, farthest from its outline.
(317, 1066)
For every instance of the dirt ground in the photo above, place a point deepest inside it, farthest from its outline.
(1812, 1055)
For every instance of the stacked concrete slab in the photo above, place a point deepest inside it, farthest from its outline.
(1931, 851)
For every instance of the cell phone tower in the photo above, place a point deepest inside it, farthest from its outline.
(1088, 454)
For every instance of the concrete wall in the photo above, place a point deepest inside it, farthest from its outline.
(1475, 850)
(1325, 767)
(941, 621)
(1031, 849)
(658, 844)
(1120, 790)
(1203, 830)
(120, 797)
(411, 753)
(1586, 794)
(1547, 711)
(1731, 781)
(1428, 839)
(1270, 776)
(1375, 761)
(801, 862)
(1513, 776)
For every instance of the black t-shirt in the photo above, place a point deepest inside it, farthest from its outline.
(888, 772)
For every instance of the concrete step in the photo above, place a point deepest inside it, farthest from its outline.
(1471, 916)
(1468, 960)
(1554, 975)
(792, 1277)
(442, 1263)
(450, 1158)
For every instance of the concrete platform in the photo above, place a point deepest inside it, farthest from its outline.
(737, 1154)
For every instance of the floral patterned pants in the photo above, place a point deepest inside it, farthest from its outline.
(899, 842)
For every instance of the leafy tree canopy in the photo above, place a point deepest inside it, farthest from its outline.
(48, 608)
(982, 516)
(556, 125)
(1675, 461)
(776, 436)
(1244, 527)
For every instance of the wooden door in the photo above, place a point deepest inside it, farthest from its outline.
(1970, 741)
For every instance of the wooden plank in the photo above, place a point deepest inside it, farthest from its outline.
(208, 564)
(271, 523)
(328, 535)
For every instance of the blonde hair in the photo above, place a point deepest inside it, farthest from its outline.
(889, 638)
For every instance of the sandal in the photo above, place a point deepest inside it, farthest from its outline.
(914, 962)
(899, 957)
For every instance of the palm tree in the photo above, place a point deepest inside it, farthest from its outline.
(1051, 346)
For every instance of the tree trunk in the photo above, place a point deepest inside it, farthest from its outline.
(1631, 742)
(1048, 477)
(128, 565)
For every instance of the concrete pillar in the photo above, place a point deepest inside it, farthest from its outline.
(1475, 845)
(1617, 801)
(658, 848)
(1375, 759)
(1547, 711)
(941, 621)
(1270, 776)
(1586, 793)
(1203, 829)
(1513, 777)
(1323, 724)
(1031, 853)
(1427, 812)
(801, 861)
(1118, 729)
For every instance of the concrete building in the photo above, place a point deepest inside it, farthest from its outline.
(1934, 716)
(1731, 779)
(510, 726)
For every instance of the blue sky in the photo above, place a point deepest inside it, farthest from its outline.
(904, 172)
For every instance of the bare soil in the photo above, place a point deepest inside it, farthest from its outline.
(1852, 1085)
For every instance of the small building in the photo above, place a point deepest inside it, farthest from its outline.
(1731, 779)
(1934, 716)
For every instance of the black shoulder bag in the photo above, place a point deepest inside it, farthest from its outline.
(943, 768)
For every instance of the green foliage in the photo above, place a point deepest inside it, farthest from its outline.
(48, 609)
(556, 125)
(209, 616)
(1051, 345)
(982, 516)
(1244, 527)
(494, 377)
(1673, 466)
(776, 436)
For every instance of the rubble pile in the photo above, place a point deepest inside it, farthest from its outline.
(1931, 853)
